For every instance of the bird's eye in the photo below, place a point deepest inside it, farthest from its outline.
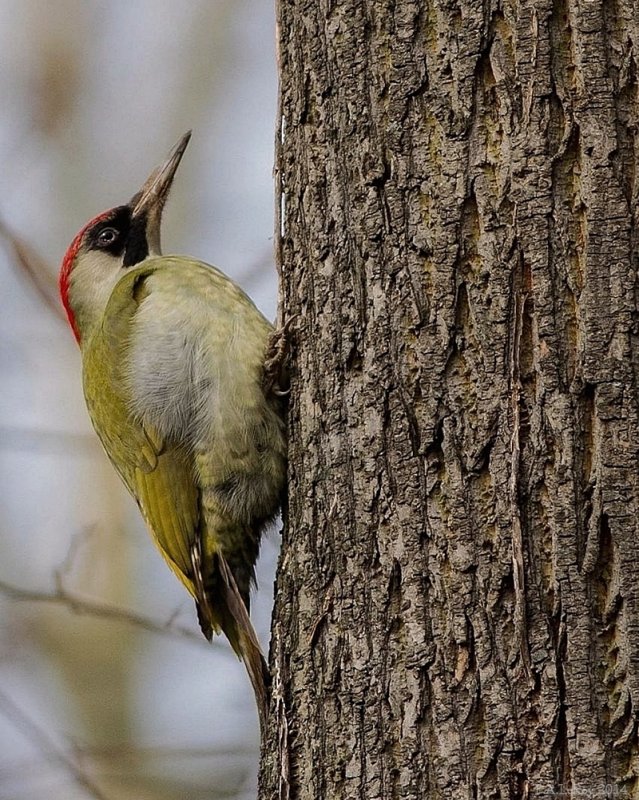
(107, 236)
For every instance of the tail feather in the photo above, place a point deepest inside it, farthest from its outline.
(248, 647)
(231, 616)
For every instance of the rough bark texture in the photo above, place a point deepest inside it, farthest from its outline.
(457, 609)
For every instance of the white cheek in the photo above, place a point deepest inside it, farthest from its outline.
(92, 281)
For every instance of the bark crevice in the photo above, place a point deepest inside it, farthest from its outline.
(457, 607)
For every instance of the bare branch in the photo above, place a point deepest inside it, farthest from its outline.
(46, 745)
(80, 604)
(48, 441)
(85, 605)
(104, 756)
(132, 752)
(35, 270)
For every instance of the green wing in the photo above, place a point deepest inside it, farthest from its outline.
(159, 471)
(158, 474)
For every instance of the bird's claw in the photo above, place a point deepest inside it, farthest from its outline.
(276, 378)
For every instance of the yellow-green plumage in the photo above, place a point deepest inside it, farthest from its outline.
(207, 470)
(173, 476)
(180, 374)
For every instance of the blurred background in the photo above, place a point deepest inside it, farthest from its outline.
(107, 689)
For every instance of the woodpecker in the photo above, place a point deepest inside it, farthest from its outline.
(182, 377)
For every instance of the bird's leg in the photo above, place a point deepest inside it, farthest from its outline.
(276, 378)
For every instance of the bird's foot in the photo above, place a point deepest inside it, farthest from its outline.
(276, 377)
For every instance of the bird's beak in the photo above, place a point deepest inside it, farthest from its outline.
(149, 201)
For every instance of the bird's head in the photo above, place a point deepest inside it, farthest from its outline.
(113, 242)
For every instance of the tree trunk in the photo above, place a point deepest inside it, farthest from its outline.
(457, 610)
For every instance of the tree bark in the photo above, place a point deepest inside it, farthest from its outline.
(457, 608)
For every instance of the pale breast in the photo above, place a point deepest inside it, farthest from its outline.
(194, 358)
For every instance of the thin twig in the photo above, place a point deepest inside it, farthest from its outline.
(48, 441)
(132, 752)
(46, 745)
(85, 605)
(34, 269)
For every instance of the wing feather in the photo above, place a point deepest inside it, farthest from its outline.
(170, 507)
(145, 388)
(158, 474)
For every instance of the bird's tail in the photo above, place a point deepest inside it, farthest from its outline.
(228, 612)
(246, 644)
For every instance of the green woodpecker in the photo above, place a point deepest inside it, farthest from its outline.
(180, 376)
